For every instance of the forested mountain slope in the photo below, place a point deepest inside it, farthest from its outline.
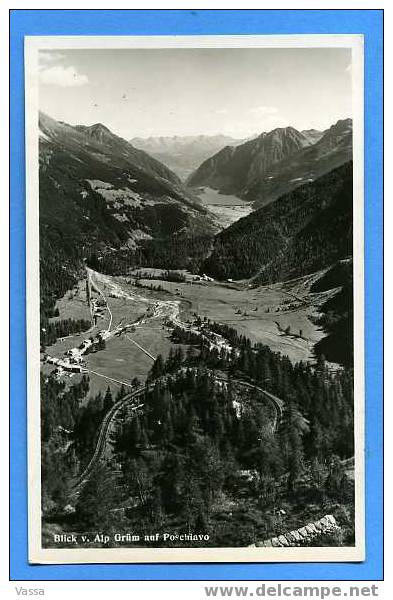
(337, 314)
(98, 194)
(302, 232)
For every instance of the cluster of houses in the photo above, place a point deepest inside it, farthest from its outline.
(97, 309)
(74, 361)
(63, 365)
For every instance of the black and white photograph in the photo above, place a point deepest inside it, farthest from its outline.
(195, 298)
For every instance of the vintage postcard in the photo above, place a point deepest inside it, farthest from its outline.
(195, 298)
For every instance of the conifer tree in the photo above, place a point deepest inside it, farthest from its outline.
(292, 429)
(98, 496)
(108, 400)
(158, 368)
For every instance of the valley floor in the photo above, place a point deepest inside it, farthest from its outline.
(135, 322)
(226, 208)
(140, 316)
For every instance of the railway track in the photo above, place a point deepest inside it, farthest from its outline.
(102, 436)
(111, 415)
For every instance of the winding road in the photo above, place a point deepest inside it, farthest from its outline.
(97, 289)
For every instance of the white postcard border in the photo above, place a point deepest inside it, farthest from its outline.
(39, 555)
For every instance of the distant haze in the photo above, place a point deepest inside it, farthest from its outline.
(166, 92)
(183, 154)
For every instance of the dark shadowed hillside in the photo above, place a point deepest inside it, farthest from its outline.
(305, 230)
(99, 194)
(336, 316)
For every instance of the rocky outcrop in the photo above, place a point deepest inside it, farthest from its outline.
(302, 536)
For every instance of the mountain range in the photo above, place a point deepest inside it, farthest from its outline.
(99, 194)
(89, 172)
(183, 154)
(263, 169)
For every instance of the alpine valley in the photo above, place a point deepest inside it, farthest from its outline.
(196, 337)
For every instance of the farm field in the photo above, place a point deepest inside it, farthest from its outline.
(129, 352)
(279, 316)
(123, 360)
(262, 314)
(73, 305)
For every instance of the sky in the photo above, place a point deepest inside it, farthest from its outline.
(166, 92)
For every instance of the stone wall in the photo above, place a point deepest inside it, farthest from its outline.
(302, 536)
